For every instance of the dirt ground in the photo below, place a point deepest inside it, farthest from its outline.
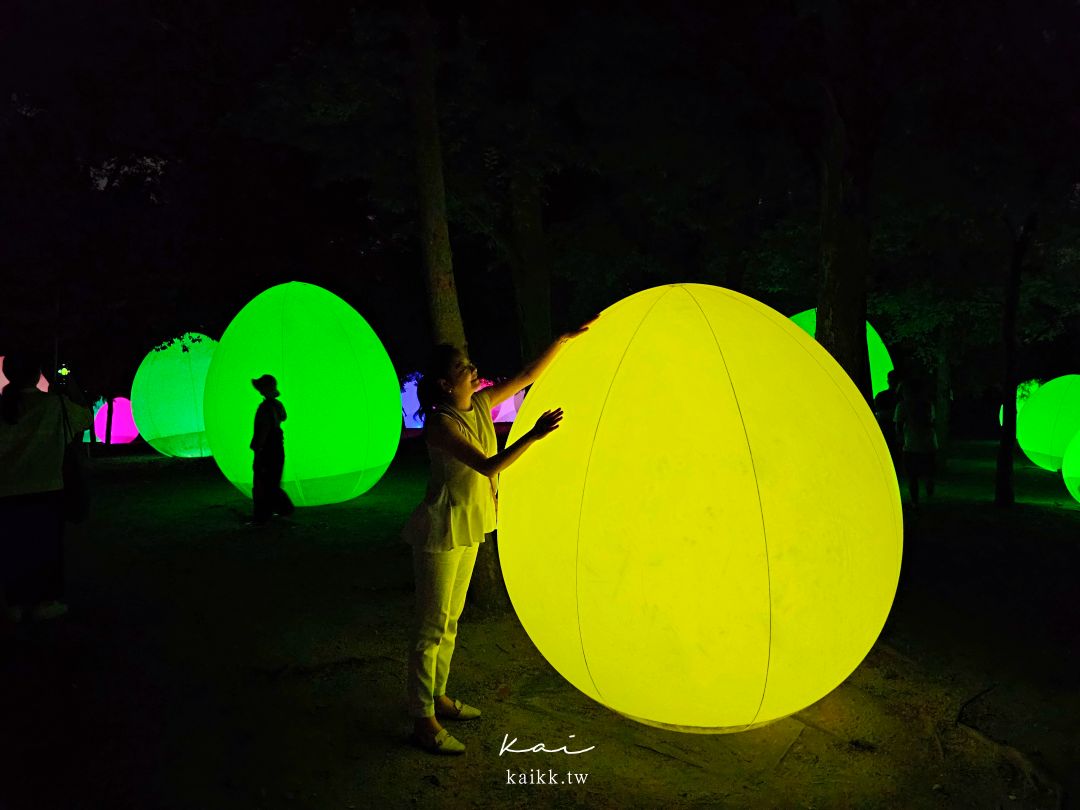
(209, 665)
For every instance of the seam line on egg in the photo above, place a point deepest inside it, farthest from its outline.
(883, 460)
(585, 483)
(757, 489)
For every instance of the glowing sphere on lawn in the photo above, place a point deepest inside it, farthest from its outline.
(1024, 392)
(167, 396)
(42, 383)
(880, 361)
(505, 411)
(1049, 421)
(337, 384)
(410, 403)
(124, 430)
(706, 563)
(1070, 467)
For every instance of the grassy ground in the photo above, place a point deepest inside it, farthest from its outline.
(209, 665)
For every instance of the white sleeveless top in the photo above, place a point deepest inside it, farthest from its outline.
(459, 506)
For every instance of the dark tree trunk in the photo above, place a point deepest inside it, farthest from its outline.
(844, 176)
(1003, 488)
(529, 266)
(532, 293)
(446, 323)
(487, 593)
(108, 420)
(942, 400)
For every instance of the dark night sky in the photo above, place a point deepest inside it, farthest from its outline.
(164, 163)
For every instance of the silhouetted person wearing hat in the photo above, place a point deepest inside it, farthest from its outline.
(885, 410)
(269, 446)
(915, 420)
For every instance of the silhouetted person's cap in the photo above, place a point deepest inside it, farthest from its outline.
(265, 384)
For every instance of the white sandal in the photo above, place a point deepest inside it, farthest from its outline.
(442, 743)
(463, 711)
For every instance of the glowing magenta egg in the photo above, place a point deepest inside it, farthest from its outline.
(505, 411)
(123, 423)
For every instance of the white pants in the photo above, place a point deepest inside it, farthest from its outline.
(442, 580)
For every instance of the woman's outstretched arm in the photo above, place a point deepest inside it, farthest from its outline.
(441, 434)
(500, 392)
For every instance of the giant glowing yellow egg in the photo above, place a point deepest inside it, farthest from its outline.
(709, 562)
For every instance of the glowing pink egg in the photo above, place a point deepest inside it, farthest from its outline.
(504, 411)
(123, 423)
(507, 411)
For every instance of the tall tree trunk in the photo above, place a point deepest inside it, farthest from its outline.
(108, 420)
(446, 323)
(942, 398)
(529, 266)
(487, 592)
(1003, 485)
(843, 174)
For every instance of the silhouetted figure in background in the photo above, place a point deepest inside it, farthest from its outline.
(269, 446)
(35, 429)
(885, 411)
(914, 419)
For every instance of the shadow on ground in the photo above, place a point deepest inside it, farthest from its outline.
(209, 665)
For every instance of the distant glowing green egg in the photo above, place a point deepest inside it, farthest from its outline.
(167, 395)
(1049, 421)
(337, 384)
(880, 361)
(1070, 467)
(1023, 393)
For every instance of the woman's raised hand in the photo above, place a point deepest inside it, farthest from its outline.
(547, 422)
(581, 330)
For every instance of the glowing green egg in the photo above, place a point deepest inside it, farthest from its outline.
(1023, 393)
(1049, 421)
(1070, 467)
(880, 361)
(167, 395)
(337, 384)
